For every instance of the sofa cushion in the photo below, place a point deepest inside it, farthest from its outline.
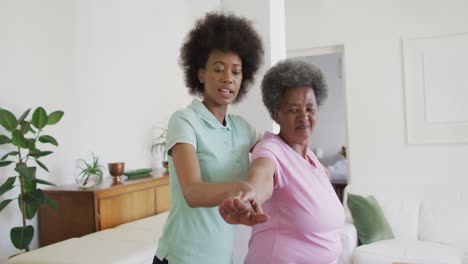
(407, 251)
(369, 219)
(134, 242)
(445, 222)
(401, 209)
(83, 250)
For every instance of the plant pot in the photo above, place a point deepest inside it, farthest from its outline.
(87, 181)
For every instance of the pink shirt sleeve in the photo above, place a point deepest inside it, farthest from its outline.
(269, 148)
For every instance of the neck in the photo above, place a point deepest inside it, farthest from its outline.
(299, 148)
(219, 111)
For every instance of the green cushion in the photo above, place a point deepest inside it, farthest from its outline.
(369, 219)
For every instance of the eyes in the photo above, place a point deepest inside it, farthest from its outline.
(234, 72)
(298, 109)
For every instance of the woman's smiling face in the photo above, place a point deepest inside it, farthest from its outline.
(297, 115)
(221, 77)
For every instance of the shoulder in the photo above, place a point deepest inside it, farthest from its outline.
(185, 116)
(182, 121)
(270, 146)
(272, 142)
(183, 113)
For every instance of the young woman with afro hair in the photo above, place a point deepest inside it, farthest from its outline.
(208, 147)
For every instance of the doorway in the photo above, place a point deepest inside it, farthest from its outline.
(329, 140)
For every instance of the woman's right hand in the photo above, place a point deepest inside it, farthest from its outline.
(243, 190)
(237, 211)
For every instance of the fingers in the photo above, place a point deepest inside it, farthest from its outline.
(241, 206)
(257, 208)
(258, 219)
(237, 195)
(247, 196)
(227, 207)
(248, 192)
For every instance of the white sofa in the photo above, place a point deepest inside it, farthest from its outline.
(133, 242)
(430, 225)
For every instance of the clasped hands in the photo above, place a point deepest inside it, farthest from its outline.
(242, 208)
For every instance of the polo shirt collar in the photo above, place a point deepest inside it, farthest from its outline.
(206, 115)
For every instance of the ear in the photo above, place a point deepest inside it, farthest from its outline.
(276, 117)
(201, 75)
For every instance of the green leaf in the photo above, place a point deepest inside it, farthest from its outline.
(37, 154)
(44, 182)
(31, 144)
(32, 130)
(7, 185)
(5, 163)
(24, 115)
(25, 125)
(51, 203)
(4, 203)
(42, 165)
(17, 138)
(35, 198)
(39, 118)
(4, 139)
(11, 153)
(27, 172)
(30, 211)
(8, 120)
(48, 139)
(55, 117)
(21, 237)
(29, 184)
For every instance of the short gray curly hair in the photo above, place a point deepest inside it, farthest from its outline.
(289, 74)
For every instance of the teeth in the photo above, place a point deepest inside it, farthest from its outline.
(225, 91)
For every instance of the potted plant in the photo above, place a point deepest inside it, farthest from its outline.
(21, 138)
(88, 174)
(343, 151)
(159, 146)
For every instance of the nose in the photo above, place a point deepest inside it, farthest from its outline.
(302, 115)
(228, 77)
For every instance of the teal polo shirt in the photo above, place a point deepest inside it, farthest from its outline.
(200, 235)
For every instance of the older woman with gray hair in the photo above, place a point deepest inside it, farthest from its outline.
(302, 216)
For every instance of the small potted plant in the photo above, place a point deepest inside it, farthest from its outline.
(343, 151)
(159, 147)
(88, 174)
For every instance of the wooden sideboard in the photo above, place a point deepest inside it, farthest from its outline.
(339, 186)
(84, 211)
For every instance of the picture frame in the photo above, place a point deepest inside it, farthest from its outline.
(435, 71)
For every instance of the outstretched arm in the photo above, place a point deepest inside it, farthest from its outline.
(260, 176)
(244, 210)
(196, 192)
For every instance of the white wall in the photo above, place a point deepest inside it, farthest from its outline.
(111, 66)
(268, 19)
(371, 33)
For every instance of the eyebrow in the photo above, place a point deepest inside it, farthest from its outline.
(297, 104)
(222, 62)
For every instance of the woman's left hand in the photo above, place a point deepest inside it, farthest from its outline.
(235, 211)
